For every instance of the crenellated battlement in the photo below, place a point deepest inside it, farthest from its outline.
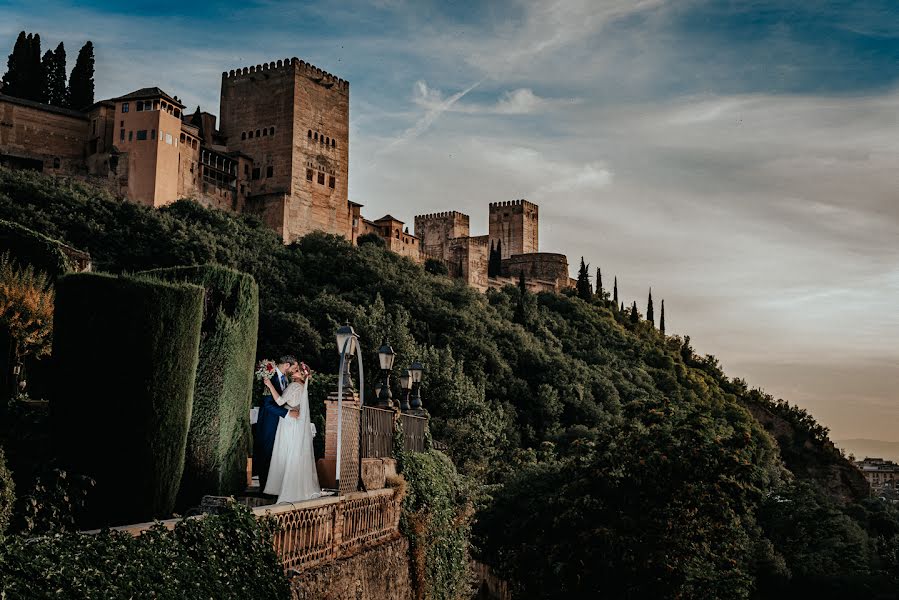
(441, 215)
(294, 64)
(507, 203)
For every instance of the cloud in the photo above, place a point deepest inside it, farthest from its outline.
(521, 101)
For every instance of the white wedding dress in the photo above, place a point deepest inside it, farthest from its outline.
(292, 475)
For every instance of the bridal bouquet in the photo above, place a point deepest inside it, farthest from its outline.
(265, 369)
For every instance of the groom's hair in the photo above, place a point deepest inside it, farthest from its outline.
(288, 359)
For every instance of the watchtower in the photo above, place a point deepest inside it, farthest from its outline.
(435, 230)
(515, 224)
(292, 119)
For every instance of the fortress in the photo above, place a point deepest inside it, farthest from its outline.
(280, 151)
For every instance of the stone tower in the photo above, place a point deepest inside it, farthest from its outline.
(515, 223)
(437, 229)
(292, 119)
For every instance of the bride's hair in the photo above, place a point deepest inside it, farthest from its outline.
(289, 359)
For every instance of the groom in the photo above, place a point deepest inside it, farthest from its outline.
(269, 415)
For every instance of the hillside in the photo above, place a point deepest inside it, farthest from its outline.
(587, 439)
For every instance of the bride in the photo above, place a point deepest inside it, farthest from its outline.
(292, 475)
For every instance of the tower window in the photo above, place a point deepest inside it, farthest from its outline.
(264, 132)
(331, 182)
(333, 144)
(316, 136)
(271, 131)
(140, 105)
(141, 134)
(270, 171)
(130, 136)
(121, 135)
(309, 134)
(56, 162)
(243, 135)
(255, 173)
(321, 178)
(250, 134)
(124, 107)
(257, 133)
(308, 174)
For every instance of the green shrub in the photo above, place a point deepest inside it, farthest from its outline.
(218, 442)
(126, 352)
(7, 494)
(436, 267)
(228, 555)
(436, 520)
(371, 238)
(32, 248)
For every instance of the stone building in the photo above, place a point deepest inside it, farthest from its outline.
(513, 232)
(280, 151)
(882, 475)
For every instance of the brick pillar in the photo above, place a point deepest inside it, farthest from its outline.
(327, 466)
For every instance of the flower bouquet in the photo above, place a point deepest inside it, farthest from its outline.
(265, 369)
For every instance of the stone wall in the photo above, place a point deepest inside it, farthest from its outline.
(468, 258)
(377, 573)
(514, 223)
(542, 266)
(49, 139)
(435, 231)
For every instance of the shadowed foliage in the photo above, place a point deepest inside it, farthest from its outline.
(219, 439)
(125, 352)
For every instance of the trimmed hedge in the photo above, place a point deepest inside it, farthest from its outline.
(7, 494)
(30, 247)
(125, 354)
(223, 556)
(218, 442)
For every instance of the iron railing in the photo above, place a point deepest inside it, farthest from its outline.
(414, 432)
(377, 432)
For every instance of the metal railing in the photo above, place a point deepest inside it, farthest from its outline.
(414, 432)
(377, 432)
(350, 455)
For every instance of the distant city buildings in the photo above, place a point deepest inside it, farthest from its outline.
(882, 475)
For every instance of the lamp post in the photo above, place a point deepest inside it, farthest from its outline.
(405, 386)
(415, 370)
(386, 356)
(347, 346)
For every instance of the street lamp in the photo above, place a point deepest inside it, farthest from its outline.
(405, 385)
(347, 342)
(386, 356)
(415, 370)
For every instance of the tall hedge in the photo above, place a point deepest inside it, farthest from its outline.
(219, 439)
(31, 247)
(125, 351)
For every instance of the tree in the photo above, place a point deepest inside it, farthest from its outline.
(662, 318)
(54, 66)
(494, 264)
(521, 312)
(436, 267)
(371, 238)
(622, 307)
(16, 67)
(650, 316)
(584, 290)
(599, 290)
(37, 78)
(81, 82)
(615, 292)
(635, 316)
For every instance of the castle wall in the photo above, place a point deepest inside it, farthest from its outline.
(468, 259)
(515, 223)
(43, 137)
(543, 266)
(293, 120)
(434, 232)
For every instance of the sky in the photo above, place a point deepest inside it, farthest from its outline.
(739, 157)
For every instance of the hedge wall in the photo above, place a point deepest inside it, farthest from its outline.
(33, 248)
(219, 439)
(223, 556)
(125, 351)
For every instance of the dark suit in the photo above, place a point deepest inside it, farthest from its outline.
(266, 428)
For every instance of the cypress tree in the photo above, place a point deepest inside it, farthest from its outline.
(81, 82)
(16, 68)
(584, 290)
(599, 291)
(662, 318)
(490, 261)
(521, 312)
(649, 313)
(615, 292)
(622, 307)
(522, 283)
(37, 77)
(635, 316)
(54, 66)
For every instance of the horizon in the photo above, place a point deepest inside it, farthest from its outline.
(739, 160)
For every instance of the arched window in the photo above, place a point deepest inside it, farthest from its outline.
(333, 144)
(309, 134)
(316, 136)
(257, 133)
(243, 135)
(250, 134)
(271, 131)
(56, 163)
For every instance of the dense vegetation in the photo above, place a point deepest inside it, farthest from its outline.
(228, 556)
(125, 350)
(218, 441)
(605, 457)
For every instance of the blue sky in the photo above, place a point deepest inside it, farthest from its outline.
(739, 157)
